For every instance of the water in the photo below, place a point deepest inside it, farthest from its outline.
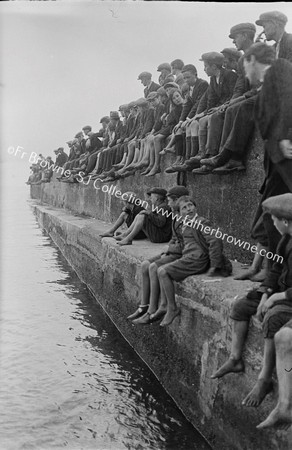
(68, 379)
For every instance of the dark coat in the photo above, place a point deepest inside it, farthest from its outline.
(203, 247)
(219, 93)
(273, 112)
(159, 111)
(279, 278)
(61, 159)
(175, 246)
(148, 120)
(192, 101)
(285, 49)
(153, 87)
(171, 120)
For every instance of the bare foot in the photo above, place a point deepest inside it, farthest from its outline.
(107, 234)
(157, 315)
(125, 242)
(146, 171)
(260, 276)
(169, 317)
(258, 393)
(153, 172)
(280, 417)
(246, 275)
(231, 366)
(119, 237)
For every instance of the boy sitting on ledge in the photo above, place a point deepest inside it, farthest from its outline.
(156, 223)
(202, 252)
(147, 310)
(272, 303)
(127, 216)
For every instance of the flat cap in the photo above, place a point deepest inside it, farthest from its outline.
(132, 104)
(78, 135)
(123, 107)
(161, 91)
(275, 16)
(56, 151)
(61, 148)
(152, 96)
(212, 57)
(164, 66)
(144, 75)
(114, 115)
(231, 52)
(241, 28)
(280, 206)
(87, 127)
(141, 102)
(69, 142)
(104, 119)
(157, 190)
(170, 84)
(177, 191)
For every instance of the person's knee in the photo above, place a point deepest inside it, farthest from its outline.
(238, 309)
(161, 272)
(283, 337)
(153, 268)
(145, 266)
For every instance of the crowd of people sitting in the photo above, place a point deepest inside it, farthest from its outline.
(208, 127)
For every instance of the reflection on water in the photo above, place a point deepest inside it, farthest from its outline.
(68, 379)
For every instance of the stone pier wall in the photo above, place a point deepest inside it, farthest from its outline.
(184, 355)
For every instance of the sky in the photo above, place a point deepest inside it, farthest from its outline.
(66, 64)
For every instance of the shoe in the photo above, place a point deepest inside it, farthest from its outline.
(184, 168)
(143, 320)
(230, 166)
(170, 170)
(138, 313)
(203, 170)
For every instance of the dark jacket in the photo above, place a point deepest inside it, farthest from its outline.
(202, 246)
(159, 111)
(153, 87)
(175, 246)
(61, 159)
(273, 112)
(118, 132)
(171, 120)
(285, 49)
(148, 122)
(242, 84)
(219, 93)
(279, 278)
(192, 101)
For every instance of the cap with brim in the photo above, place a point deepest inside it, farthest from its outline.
(114, 115)
(152, 96)
(275, 16)
(164, 66)
(231, 52)
(141, 102)
(177, 191)
(279, 206)
(157, 190)
(170, 84)
(161, 91)
(56, 151)
(87, 127)
(61, 148)
(144, 75)
(123, 107)
(212, 57)
(241, 28)
(78, 135)
(132, 104)
(104, 119)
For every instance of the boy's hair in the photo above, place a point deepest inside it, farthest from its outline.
(172, 92)
(264, 54)
(177, 64)
(190, 68)
(186, 198)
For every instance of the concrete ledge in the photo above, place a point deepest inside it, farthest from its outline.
(184, 355)
(229, 201)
